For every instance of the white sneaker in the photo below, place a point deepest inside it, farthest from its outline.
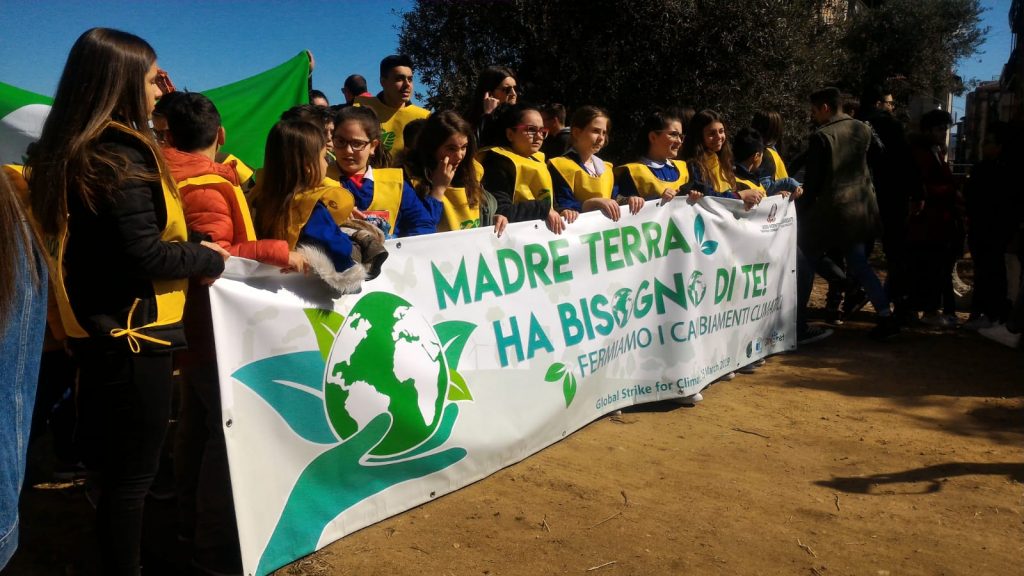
(690, 400)
(999, 333)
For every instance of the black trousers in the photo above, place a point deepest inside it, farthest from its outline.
(124, 403)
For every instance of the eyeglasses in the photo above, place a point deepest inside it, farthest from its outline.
(533, 131)
(355, 145)
(889, 102)
(674, 134)
(512, 88)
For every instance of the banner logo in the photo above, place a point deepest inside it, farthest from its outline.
(382, 422)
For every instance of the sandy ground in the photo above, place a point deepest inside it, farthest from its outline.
(850, 457)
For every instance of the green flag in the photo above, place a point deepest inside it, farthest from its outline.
(22, 114)
(249, 108)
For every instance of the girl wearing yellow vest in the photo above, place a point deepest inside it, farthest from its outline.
(381, 194)
(292, 204)
(710, 162)
(121, 260)
(656, 175)
(769, 124)
(515, 172)
(582, 181)
(442, 164)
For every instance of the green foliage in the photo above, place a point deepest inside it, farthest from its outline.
(733, 56)
(911, 46)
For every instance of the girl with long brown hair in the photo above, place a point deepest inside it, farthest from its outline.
(443, 164)
(121, 262)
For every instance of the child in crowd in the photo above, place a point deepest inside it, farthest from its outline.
(770, 126)
(709, 160)
(293, 204)
(750, 153)
(443, 162)
(381, 194)
(656, 174)
(215, 207)
(103, 196)
(582, 181)
(516, 174)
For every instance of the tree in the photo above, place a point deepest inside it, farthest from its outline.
(630, 57)
(911, 45)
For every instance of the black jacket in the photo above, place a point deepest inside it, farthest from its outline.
(115, 253)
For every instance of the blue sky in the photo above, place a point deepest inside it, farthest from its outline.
(205, 44)
(209, 44)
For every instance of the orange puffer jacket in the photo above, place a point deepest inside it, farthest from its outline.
(214, 210)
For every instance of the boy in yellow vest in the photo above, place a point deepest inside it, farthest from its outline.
(392, 104)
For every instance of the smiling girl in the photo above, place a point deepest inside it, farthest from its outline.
(381, 194)
(516, 174)
(582, 181)
(656, 174)
(710, 162)
(443, 163)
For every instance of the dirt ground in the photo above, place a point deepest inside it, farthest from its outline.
(850, 457)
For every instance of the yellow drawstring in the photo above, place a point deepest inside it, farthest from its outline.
(134, 334)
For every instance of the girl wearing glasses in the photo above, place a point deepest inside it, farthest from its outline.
(496, 86)
(515, 173)
(582, 181)
(381, 194)
(656, 174)
(443, 162)
(709, 160)
(293, 204)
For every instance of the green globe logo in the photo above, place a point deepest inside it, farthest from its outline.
(696, 288)
(621, 306)
(363, 380)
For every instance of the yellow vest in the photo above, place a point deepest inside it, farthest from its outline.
(533, 181)
(392, 121)
(232, 194)
(16, 174)
(387, 191)
(244, 172)
(170, 294)
(339, 203)
(780, 166)
(584, 186)
(458, 214)
(647, 184)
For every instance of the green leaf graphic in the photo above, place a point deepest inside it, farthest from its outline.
(708, 247)
(387, 139)
(555, 372)
(453, 335)
(458, 390)
(698, 229)
(569, 388)
(292, 384)
(326, 324)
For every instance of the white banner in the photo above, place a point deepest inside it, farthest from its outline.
(470, 352)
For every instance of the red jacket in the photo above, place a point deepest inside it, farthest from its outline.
(215, 209)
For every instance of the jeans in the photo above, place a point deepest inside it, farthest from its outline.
(21, 345)
(124, 403)
(857, 269)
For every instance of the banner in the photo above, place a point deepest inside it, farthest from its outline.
(248, 108)
(471, 352)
